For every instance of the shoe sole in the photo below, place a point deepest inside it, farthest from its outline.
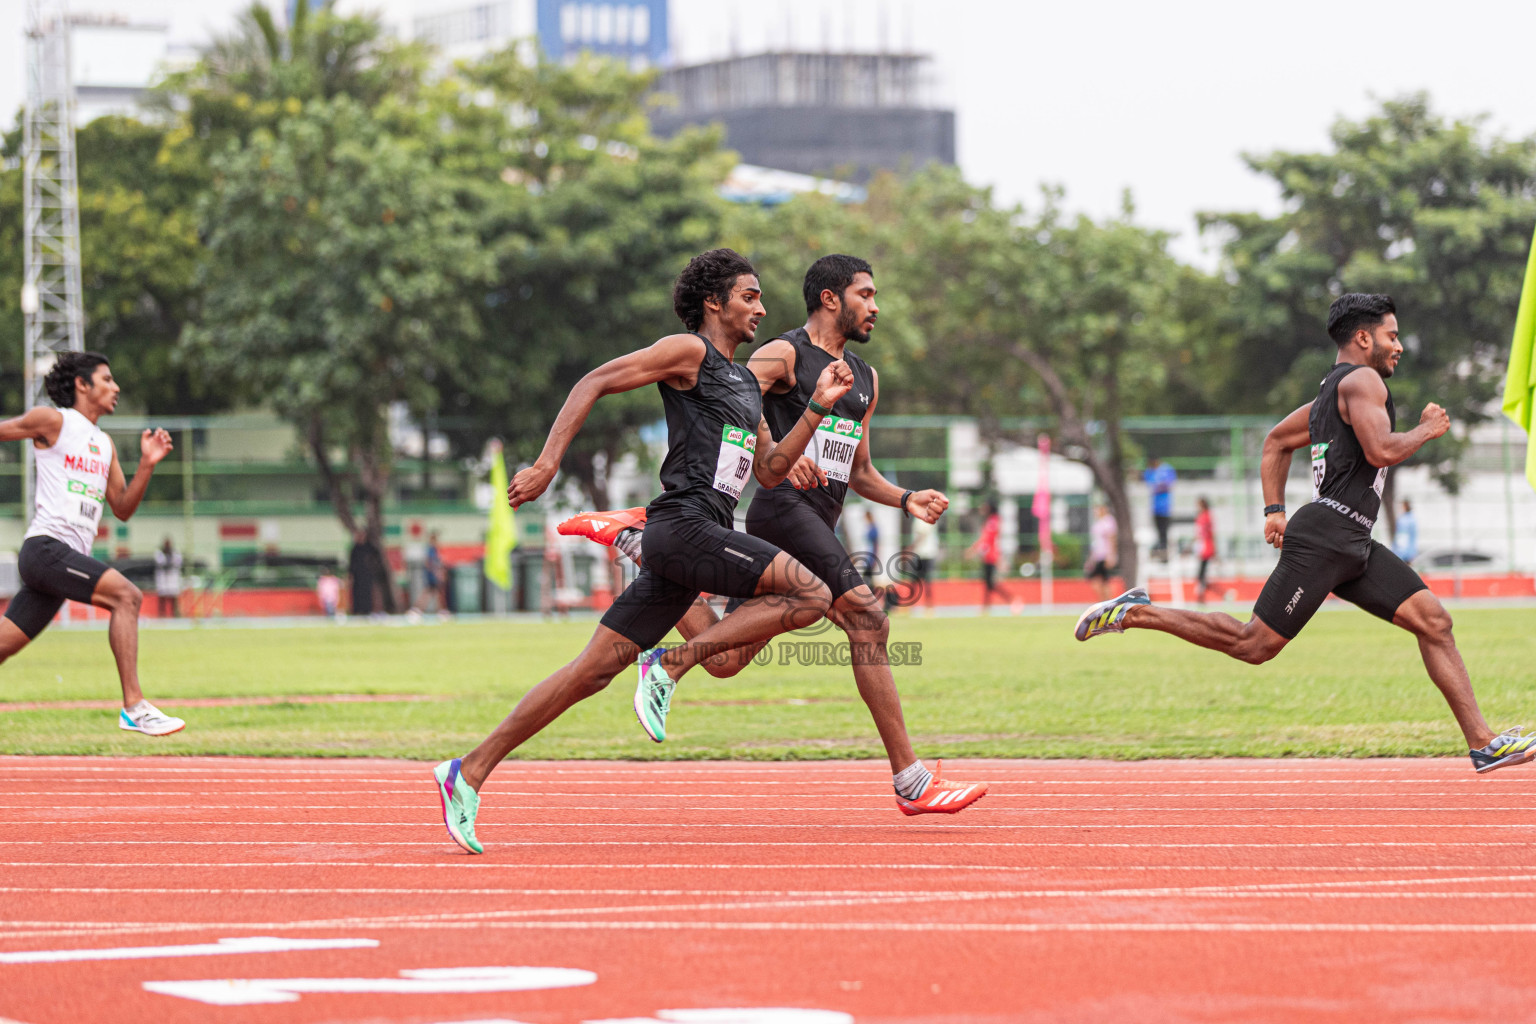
(640, 715)
(442, 799)
(915, 810)
(1507, 762)
(146, 732)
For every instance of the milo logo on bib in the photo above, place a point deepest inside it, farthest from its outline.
(737, 447)
(837, 438)
(1319, 466)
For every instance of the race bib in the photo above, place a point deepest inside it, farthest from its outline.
(833, 445)
(1319, 467)
(83, 509)
(1381, 481)
(737, 447)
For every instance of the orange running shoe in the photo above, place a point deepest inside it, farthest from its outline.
(943, 797)
(619, 529)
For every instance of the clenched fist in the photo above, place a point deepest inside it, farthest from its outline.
(1434, 420)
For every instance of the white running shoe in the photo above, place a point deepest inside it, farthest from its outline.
(145, 718)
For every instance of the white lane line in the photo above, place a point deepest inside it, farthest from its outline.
(424, 981)
(858, 803)
(465, 864)
(904, 844)
(223, 947)
(924, 927)
(1228, 826)
(1306, 888)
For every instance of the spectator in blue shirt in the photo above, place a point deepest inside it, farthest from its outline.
(1405, 543)
(1160, 477)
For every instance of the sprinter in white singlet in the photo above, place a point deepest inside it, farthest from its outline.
(78, 474)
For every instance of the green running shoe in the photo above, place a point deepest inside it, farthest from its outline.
(460, 805)
(1106, 616)
(653, 697)
(1508, 748)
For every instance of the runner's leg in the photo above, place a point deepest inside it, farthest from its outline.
(858, 613)
(12, 639)
(120, 597)
(606, 655)
(1250, 641)
(1426, 618)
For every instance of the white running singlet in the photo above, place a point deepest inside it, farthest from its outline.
(72, 483)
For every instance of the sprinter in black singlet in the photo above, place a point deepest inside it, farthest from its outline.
(800, 514)
(716, 439)
(1327, 546)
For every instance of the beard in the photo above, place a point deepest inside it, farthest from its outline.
(848, 325)
(1381, 360)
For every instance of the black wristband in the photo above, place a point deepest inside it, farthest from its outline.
(1270, 510)
(904, 497)
(819, 410)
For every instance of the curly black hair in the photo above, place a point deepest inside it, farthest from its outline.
(1355, 310)
(60, 382)
(711, 273)
(835, 272)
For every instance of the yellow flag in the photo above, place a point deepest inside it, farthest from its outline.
(501, 531)
(1520, 386)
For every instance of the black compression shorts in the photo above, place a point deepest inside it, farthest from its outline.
(1323, 553)
(790, 523)
(685, 553)
(52, 572)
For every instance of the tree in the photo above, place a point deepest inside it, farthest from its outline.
(589, 220)
(1434, 212)
(340, 279)
(1000, 312)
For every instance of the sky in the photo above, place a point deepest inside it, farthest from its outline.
(1097, 97)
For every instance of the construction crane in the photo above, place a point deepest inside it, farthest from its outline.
(51, 298)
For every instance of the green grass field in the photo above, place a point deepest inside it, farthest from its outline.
(1009, 687)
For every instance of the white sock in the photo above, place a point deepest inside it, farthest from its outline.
(628, 543)
(912, 780)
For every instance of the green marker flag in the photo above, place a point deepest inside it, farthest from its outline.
(1520, 387)
(500, 533)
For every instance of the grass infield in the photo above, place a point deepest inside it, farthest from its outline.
(1350, 686)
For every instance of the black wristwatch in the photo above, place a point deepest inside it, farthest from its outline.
(1270, 510)
(904, 497)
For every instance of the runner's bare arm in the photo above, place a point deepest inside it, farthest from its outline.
(1275, 465)
(772, 462)
(774, 367)
(675, 358)
(1363, 404)
(39, 424)
(124, 498)
(868, 482)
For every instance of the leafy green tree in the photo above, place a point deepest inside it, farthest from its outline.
(1001, 312)
(589, 219)
(339, 281)
(1434, 212)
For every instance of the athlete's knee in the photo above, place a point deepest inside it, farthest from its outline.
(1256, 649)
(123, 596)
(868, 625)
(1435, 624)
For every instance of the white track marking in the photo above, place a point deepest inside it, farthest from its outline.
(758, 844)
(432, 981)
(223, 947)
(953, 827)
(462, 864)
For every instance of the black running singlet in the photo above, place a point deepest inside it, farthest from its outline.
(711, 437)
(837, 437)
(1342, 478)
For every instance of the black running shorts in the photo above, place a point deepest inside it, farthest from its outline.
(52, 572)
(788, 522)
(684, 553)
(1323, 554)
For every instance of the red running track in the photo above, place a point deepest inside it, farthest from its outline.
(1220, 891)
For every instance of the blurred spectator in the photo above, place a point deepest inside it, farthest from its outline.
(1160, 478)
(1405, 541)
(1103, 550)
(925, 551)
(167, 580)
(990, 550)
(364, 565)
(1205, 547)
(434, 577)
(328, 590)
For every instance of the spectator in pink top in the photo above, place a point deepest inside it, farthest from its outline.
(1205, 547)
(990, 550)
